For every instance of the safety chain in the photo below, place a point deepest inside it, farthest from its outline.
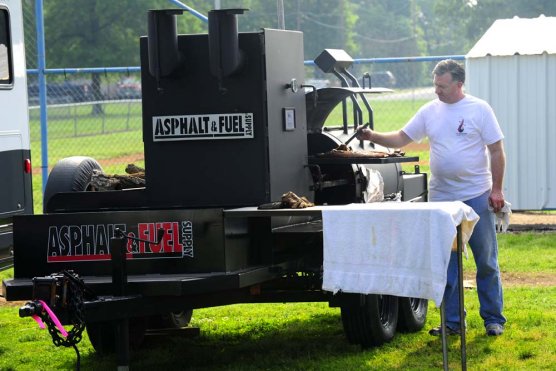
(76, 288)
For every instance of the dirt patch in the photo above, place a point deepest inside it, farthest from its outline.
(528, 279)
(4, 303)
(530, 217)
(510, 279)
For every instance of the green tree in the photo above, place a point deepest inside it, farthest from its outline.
(487, 11)
(388, 28)
(454, 26)
(324, 23)
(98, 33)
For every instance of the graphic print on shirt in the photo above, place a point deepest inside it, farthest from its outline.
(461, 128)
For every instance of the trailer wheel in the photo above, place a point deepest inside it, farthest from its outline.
(103, 334)
(71, 174)
(412, 314)
(371, 323)
(171, 320)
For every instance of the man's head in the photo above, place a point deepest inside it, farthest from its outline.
(448, 80)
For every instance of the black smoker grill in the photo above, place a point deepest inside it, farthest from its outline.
(226, 124)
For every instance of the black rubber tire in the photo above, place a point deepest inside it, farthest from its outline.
(103, 334)
(171, 320)
(412, 314)
(71, 174)
(373, 322)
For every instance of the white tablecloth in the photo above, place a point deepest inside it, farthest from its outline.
(392, 248)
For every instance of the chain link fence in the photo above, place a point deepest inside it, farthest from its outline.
(98, 114)
(104, 122)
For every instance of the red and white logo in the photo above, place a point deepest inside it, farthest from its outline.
(92, 242)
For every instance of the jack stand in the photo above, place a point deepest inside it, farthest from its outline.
(119, 282)
(122, 344)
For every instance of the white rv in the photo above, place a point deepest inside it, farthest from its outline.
(15, 156)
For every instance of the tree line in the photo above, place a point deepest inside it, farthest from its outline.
(95, 33)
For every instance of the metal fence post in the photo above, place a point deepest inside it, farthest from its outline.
(41, 60)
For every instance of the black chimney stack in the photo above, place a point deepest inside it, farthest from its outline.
(224, 54)
(164, 56)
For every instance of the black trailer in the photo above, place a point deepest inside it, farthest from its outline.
(227, 127)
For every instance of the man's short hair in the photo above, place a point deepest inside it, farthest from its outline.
(451, 66)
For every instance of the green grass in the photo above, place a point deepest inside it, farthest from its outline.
(79, 120)
(309, 336)
(79, 132)
(523, 253)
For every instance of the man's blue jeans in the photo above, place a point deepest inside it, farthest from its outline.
(484, 245)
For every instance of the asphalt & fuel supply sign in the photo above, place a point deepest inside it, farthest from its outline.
(202, 127)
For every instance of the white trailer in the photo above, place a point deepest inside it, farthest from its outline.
(15, 156)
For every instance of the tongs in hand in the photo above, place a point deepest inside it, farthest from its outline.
(355, 134)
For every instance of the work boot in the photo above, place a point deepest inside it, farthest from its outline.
(437, 331)
(494, 329)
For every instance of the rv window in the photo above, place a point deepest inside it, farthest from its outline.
(5, 63)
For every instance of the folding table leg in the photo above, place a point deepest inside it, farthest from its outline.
(459, 243)
(444, 341)
(461, 302)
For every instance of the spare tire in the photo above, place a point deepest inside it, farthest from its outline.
(71, 174)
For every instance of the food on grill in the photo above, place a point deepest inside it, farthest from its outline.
(345, 151)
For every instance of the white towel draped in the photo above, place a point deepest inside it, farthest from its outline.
(400, 249)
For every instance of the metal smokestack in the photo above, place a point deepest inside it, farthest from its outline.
(224, 53)
(164, 56)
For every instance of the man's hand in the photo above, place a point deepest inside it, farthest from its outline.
(364, 133)
(496, 200)
(497, 167)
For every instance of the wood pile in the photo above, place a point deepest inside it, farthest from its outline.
(135, 178)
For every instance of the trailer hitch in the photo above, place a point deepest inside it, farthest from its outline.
(65, 292)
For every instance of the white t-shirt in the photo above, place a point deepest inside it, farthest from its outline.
(458, 135)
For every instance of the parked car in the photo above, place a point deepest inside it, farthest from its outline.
(128, 88)
(384, 79)
(58, 93)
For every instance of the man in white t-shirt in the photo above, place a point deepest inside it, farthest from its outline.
(467, 162)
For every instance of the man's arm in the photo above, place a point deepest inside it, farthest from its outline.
(393, 139)
(497, 167)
